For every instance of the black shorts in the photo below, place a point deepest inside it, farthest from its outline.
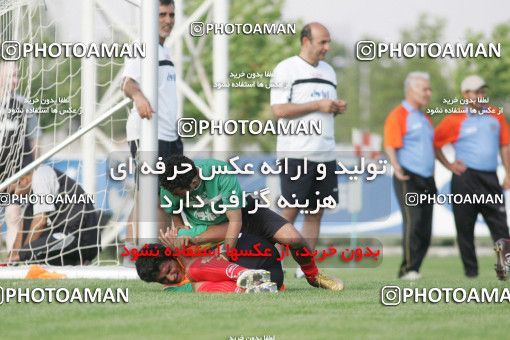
(264, 222)
(165, 148)
(306, 186)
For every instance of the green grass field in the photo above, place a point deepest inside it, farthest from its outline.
(301, 312)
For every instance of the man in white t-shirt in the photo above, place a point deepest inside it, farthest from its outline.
(307, 92)
(169, 142)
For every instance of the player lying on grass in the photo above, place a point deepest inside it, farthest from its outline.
(209, 275)
(181, 180)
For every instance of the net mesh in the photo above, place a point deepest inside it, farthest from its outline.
(41, 102)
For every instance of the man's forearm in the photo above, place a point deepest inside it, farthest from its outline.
(505, 157)
(392, 155)
(235, 222)
(291, 110)
(131, 88)
(233, 230)
(17, 242)
(442, 158)
(142, 104)
(214, 233)
(36, 228)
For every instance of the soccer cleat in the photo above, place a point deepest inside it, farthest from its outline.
(264, 287)
(411, 276)
(253, 277)
(327, 282)
(502, 248)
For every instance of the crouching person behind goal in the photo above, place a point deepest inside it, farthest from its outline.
(60, 224)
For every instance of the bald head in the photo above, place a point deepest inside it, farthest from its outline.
(315, 41)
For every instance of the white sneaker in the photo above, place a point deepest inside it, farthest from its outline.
(253, 277)
(264, 287)
(411, 276)
(299, 273)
